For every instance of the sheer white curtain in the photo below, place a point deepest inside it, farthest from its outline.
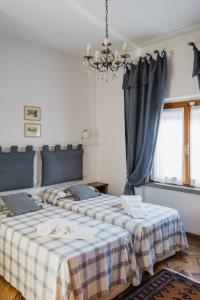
(168, 160)
(195, 146)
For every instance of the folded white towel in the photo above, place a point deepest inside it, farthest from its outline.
(132, 198)
(72, 227)
(73, 236)
(132, 205)
(66, 229)
(48, 226)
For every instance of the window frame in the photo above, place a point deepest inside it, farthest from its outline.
(186, 105)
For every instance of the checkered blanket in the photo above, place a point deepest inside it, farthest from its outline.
(159, 235)
(49, 268)
(3, 209)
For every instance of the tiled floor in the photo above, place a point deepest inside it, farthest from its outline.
(187, 263)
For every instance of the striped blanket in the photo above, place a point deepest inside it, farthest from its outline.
(159, 235)
(49, 268)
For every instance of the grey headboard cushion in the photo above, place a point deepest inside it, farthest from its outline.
(61, 165)
(16, 169)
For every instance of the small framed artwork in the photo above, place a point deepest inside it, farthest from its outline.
(32, 130)
(32, 113)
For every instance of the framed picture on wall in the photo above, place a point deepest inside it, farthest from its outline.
(32, 113)
(32, 130)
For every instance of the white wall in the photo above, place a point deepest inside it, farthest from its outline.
(110, 132)
(180, 64)
(187, 204)
(110, 125)
(38, 76)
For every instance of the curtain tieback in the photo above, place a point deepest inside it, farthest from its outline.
(128, 182)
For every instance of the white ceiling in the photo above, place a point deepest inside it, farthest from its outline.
(69, 24)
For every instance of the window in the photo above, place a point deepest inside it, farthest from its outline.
(177, 155)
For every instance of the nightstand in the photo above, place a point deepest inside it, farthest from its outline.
(100, 186)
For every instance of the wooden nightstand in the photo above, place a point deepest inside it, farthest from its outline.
(100, 186)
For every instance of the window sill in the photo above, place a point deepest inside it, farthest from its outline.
(171, 187)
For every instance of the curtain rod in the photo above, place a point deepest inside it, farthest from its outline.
(181, 46)
(169, 49)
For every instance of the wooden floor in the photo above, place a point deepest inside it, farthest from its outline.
(7, 292)
(187, 263)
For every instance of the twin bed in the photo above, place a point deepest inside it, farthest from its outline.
(154, 238)
(56, 268)
(42, 267)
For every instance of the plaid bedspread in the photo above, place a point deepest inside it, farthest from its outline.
(159, 235)
(47, 268)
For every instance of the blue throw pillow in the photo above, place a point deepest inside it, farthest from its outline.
(20, 204)
(82, 192)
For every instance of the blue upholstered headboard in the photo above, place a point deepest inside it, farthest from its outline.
(16, 169)
(61, 165)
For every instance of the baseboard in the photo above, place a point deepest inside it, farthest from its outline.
(192, 235)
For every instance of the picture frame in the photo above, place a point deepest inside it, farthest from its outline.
(32, 130)
(32, 113)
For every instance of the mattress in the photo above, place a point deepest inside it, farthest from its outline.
(158, 236)
(49, 268)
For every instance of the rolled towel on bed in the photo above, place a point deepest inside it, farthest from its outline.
(48, 226)
(66, 226)
(81, 232)
(66, 229)
(132, 205)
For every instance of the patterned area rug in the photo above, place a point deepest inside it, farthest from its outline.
(166, 285)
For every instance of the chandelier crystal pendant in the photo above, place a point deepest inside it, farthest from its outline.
(105, 60)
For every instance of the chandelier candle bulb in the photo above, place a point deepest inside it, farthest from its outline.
(124, 47)
(106, 41)
(88, 49)
(96, 56)
(116, 55)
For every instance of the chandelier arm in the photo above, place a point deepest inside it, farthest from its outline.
(100, 69)
(103, 62)
(96, 67)
(102, 59)
(113, 57)
(111, 67)
(114, 68)
(92, 65)
(124, 65)
(121, 65)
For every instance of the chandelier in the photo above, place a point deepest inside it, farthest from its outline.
(105, 60)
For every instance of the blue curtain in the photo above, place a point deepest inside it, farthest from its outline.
(196, 64)
(144, 86)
